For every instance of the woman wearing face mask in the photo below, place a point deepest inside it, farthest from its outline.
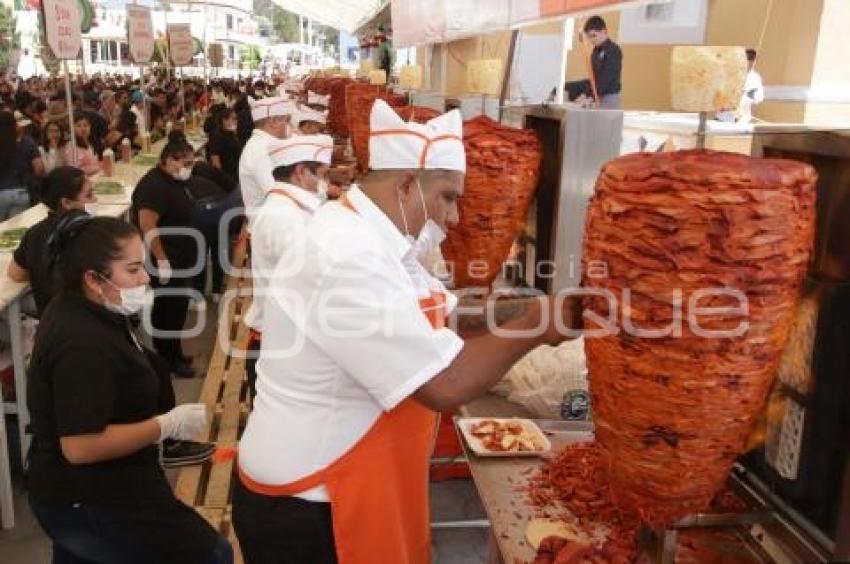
(162, 201)
(95, 483)
(225, 148)
(86, 159)
(65, 188)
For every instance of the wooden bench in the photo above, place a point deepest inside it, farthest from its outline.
(207, 487)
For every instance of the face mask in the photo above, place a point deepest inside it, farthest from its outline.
(132, 299)
(183, 174)
(322, 189)
(431, 234)
(91, 209)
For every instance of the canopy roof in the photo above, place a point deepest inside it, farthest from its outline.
(347, 15)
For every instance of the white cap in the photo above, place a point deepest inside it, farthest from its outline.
(302, 148)
(306, 113)
(313, 98)
(398, 145)
(271, 107)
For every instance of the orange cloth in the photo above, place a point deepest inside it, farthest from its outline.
(379, 488)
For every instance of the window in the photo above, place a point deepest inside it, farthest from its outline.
(229, 21)
(232, 50)
(125, 53)
(660, 12)
(93, 50)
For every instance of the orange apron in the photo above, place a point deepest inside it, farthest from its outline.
(379, 489)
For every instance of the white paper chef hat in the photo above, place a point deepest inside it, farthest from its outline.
(396, 144)
(306, 113)
(271, 107)
(302, 148)
(313, 98)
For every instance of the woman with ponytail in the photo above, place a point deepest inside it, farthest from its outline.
(94, 478)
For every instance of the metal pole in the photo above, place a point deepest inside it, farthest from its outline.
(701, 130)
(562, 76)
(69, 100)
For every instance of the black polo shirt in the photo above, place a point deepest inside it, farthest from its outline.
(31, 254)
(607, 66)
(88, 372)
(170, 198)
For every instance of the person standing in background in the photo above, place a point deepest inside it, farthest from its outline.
(272, 121)
(753, 94)
(224, 147)
(607, 65)
(162, 201)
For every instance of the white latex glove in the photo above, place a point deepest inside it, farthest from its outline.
(165, 272)
(183, 423)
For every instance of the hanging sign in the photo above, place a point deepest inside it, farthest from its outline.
(62, 27)
(216, 54)
(180, 44)
(140, 33)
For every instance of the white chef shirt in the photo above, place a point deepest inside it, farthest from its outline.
(255, 170)
(744, 114)
(273, 228)
(347, 309)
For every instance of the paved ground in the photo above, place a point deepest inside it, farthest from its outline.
(450, 501)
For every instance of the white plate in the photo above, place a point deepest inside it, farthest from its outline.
(465, 425)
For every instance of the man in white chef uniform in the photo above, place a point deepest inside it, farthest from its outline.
(300, 168)
(271, 122)
(357, 359)
(753, 94)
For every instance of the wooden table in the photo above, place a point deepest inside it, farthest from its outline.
(11, 293)
(498, 480)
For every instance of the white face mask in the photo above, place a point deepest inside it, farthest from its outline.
(91, 209)
(132, 299)
(322, 189)
(431, 234)
(183, 174)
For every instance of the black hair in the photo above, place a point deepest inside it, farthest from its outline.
(8, 140)
(222, 115)
(82, 143)
(595, 23)
(62, 182)
(45, 144)
(176, 147)
(751, 55)
(284, 173)
(81, 243)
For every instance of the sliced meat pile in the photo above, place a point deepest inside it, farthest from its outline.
(716, 232)
(337, 109)
(359, 100)
(503, 168)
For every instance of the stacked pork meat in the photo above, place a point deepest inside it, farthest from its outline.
(503, 169)
(359, 98)
(674, 396)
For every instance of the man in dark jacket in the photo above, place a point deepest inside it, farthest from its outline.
(607, 63)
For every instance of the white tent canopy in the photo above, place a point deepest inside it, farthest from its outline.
(347, 15)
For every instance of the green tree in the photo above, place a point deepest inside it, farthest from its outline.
(10, 39)
(251, 57)
(285, 25)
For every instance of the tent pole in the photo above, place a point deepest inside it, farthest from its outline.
(506, 80)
